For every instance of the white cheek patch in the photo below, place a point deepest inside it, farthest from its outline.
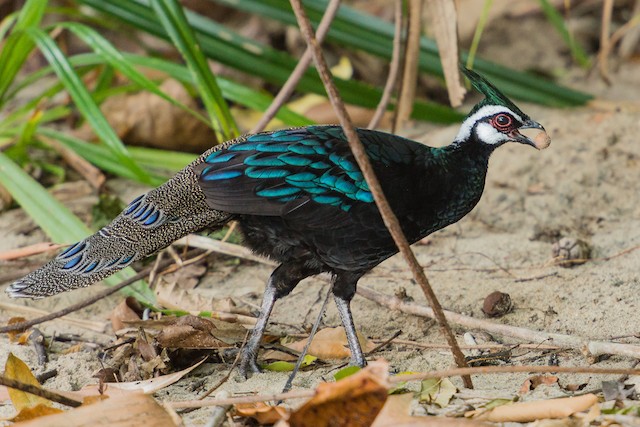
(488, 110)
(489, 135)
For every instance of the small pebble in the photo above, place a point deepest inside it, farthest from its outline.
(497, 304)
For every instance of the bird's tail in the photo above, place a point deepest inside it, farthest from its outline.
(150, 223)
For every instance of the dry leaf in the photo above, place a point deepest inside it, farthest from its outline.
(437, 390)
(443, 19)
(532, 382)
(330, 343)
(133, 409)
(538, 410)
(148, 120)
(261, 412)
(16, 369)
(354, 401)
(396, 413)
(127, 311)
(190, 332)
(17, 336)
(147, 386)
(37, 411)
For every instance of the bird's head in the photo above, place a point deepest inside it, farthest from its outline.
(496, 120)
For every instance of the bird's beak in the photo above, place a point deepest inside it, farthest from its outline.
(540, 141)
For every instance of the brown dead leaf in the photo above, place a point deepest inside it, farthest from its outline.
(128, 310)
(278, 355)
(331, 343)
(532, 382)
(132, 409)
(353, 401)
(37, 411)
(261, 412)
(148, 120)
(190, 332)
(17, 336)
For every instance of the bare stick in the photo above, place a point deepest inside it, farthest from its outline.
(82, 304)
(298, 72)
(587, 347)
(485, 370)
(394, 67)
(388, 216)
(38, 391)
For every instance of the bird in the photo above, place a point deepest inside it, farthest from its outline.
(300, 198)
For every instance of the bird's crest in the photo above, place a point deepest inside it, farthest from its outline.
(492, 94)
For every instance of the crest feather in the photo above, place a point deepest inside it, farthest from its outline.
(492, 94)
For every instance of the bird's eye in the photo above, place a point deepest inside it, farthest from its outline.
(502, 121)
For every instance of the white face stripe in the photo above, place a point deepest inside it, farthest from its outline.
(486, 111)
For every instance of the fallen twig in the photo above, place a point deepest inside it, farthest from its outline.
(207, 243)
(482, 370)
(587, 347)
(27, 251)
(93, 326)
(38, 391)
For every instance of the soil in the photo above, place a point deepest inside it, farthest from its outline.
(584, 186)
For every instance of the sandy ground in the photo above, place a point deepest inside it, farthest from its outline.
(584, 186)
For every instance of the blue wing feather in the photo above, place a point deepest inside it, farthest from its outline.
(274, 173)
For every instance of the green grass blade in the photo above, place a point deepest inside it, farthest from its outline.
(355, 29)
(113, 57)
(17, 47)
(554, 17)
(84, 101)
(223, 45)
(172, 18)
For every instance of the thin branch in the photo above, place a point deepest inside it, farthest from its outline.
(394, 67)
(389, 218)
(39, 391)
(410, 66)
(483, 370)
(92, 300)
(304, 62)
(587, 347)
(480, 370)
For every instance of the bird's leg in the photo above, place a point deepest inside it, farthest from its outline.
(280, 284)
(344, 288)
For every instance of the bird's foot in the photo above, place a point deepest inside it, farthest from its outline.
(358, 361)
(248, 365)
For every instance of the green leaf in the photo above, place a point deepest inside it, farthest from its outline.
(558, 23)
(346, 372)
(18, 47)
(281, 366)
(175, 23)
(223, 45)
(84, 102)
(116, 59)
(437, 390)
(359, 30)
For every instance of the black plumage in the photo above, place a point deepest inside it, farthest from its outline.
(300, 199)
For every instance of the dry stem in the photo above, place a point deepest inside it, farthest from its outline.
(362, 159)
